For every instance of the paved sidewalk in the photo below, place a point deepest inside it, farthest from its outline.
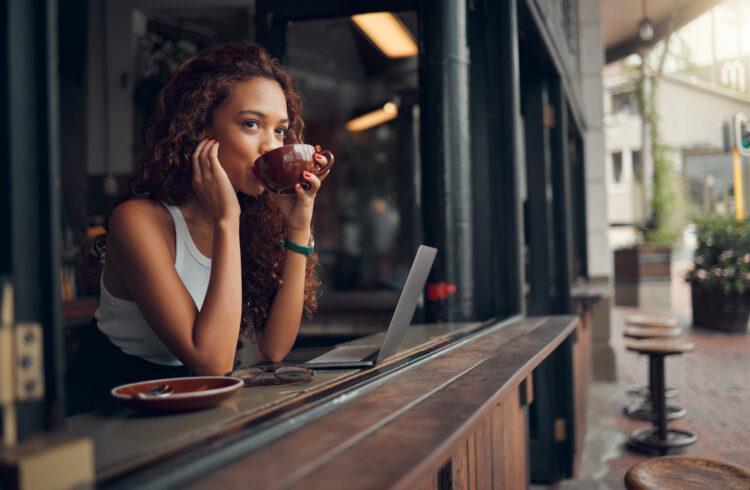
(714, 386)
(713, 383)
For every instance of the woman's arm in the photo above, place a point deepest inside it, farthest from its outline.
(284, 318)
(204, 341)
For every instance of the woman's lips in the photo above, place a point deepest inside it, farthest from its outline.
(254, 178)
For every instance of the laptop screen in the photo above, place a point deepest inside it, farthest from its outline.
(407, 302)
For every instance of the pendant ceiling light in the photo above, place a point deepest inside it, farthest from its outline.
(646, 27)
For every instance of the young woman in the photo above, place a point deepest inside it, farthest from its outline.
(192, 249)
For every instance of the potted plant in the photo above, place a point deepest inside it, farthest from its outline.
(720, 276)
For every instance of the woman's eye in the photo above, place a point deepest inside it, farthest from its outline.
(282, 131)
(250, 124)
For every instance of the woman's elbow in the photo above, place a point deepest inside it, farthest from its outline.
(212, 368)
(275, 355)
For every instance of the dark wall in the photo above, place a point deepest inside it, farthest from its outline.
(72, 42)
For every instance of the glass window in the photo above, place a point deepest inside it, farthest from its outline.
(617, 166)
(637, 166)
(624, 102)
(362, 105)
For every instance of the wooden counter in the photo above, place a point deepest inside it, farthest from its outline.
(455, 414)
(125, 440)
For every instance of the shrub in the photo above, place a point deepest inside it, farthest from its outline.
(722, 258)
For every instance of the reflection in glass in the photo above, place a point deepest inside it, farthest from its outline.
(360, 102)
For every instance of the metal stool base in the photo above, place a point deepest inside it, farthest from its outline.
(647, 441)
(644, 411)
(643, 391)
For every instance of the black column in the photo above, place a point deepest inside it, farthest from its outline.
(562, 208)
(446, 170)
(539, 195)
(30, 210)
(495, 115)
(578, 203)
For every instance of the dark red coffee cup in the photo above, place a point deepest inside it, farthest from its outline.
(281, 169)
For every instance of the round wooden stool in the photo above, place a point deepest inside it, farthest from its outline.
(644, 409)
(659, 438)
(648, 321)
(686, 473)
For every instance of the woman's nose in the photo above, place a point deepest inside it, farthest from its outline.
(270, 142)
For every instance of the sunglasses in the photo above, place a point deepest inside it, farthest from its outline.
(273, 375)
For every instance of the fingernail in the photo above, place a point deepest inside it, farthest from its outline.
(307, 174)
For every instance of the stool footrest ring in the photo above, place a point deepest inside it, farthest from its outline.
(643, 392)
(647, 440)
(645, 411)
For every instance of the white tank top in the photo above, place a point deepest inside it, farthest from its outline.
(122, 321)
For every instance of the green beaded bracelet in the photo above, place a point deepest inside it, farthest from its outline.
(295, 247)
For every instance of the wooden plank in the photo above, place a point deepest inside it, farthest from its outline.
(460, 468)
(498, 449)
(471, 462)
(514, 442)
(428, 432)
(483, 444)
(526, 391)
(429, 483)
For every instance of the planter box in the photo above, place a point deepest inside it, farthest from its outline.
(643, 276)
(717, 311)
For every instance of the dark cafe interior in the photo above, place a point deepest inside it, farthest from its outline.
(427, 296)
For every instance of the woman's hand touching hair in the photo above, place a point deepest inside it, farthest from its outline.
(211, 183)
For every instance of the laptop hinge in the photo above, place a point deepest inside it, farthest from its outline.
(372, 356)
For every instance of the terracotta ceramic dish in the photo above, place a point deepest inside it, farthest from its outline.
(192, 393)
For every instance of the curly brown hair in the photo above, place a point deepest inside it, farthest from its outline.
(164, 172)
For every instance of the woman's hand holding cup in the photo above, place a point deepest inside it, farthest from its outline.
(298, 208)
(295, 173)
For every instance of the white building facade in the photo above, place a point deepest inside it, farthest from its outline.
(692, 114)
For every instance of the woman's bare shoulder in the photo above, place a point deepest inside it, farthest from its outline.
(140, 217)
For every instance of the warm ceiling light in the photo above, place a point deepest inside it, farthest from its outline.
(646, 27)
(388, 33)
(366, 121)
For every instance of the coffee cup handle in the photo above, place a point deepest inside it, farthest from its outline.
(329, 157)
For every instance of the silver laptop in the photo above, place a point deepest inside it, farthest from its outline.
(358, 356)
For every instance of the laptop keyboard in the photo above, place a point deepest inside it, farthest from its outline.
(346, 353)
